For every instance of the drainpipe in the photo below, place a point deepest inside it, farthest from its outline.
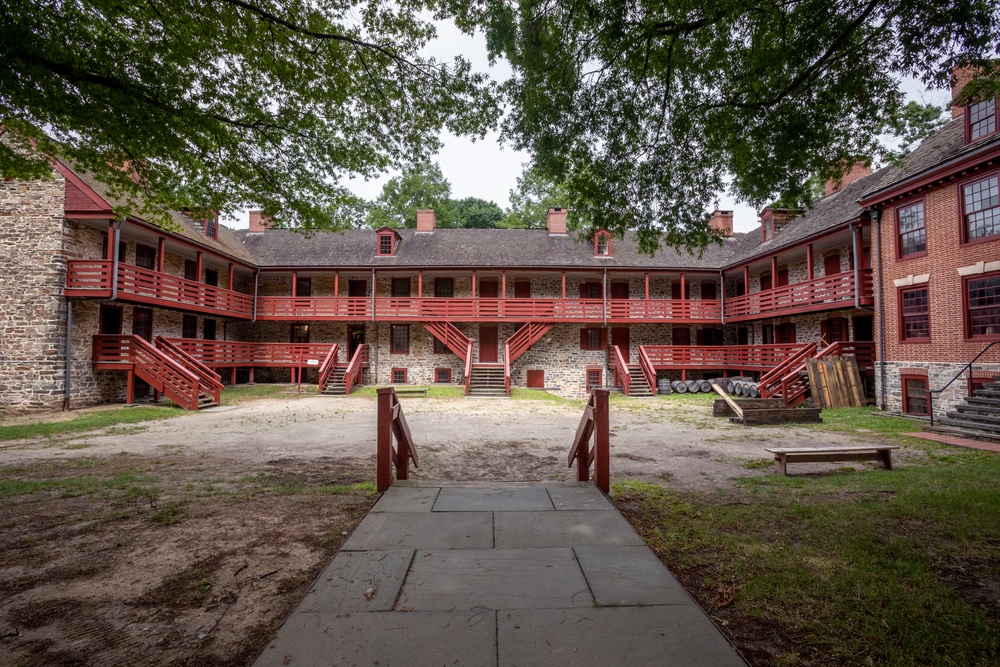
(857, 267)
(877, 219)
(115, 258)
(69, 350)
(256, 277)
(604, 293)
(722, 294)
(373, 294)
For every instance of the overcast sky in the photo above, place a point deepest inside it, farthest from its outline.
(488, 170)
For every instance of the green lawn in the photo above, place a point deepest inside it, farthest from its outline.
(882, 567)
(91, 420)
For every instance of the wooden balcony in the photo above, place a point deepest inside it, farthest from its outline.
(226, 353)
(719, 357)
(92, 278)
(465, 309)
(810, 296)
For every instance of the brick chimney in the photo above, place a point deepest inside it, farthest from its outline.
(859, 170)
(258, 223)
(722, 221)
(960, 75)
(556, 221)
(426, 219)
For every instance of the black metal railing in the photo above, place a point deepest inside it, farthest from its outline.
(965, 369)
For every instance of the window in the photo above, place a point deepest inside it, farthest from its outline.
(833, 330)
(300, 333)
(675, 290)
(303, 287)
(602, 244)
(709, 336)
(442, 375)
(914, 394)
(399, 376)
(911, 234)
(708, 291)
(782, 276)
(208, 330)
(522, 289)
(386, 244)
(212, 277)
(742, 336)
(593, 339)
(915, 314)
(981, 119)
(767, 334)
(594, 378)
(189, 326)
(104, 248)
(831, 264)
(401, 287)
(766, 229)
(765, 281)
(741, 287)
(190, 270)
(786, 333)
(981, 208)
(444, 287)
(440, 348)
(399, 342)
(983, 306)
(212, 228)
(145, 256)
(591, 291)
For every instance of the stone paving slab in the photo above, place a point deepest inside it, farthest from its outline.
(495, 579)
(670, 636)
(587, 497)
(627, 575)
(422, 530)
(570, 528)
(391, 639)
(359, 581)
(406, 499)
(532, 498)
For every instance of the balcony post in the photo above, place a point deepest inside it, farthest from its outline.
(473, 293)
(604, 295)
(774, 271)
(722, 298)
(197, 267)
(809, 261)
(647, 288)
(231, 277)
(161, 247)
(855, 242)
(420, 284)
(336, 283)
(563, 284)
(112, 240)
(295, 283)
(746, 279)
(683, 296)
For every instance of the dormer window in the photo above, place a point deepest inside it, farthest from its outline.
(386, 242)
(602, 244)
(212, 228)
(980, 119)
(766, 229)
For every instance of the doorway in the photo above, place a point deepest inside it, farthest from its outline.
(864, 330)
(355, 338)
(620, 337)
(488, 344)
(142, 326)
(111, 321)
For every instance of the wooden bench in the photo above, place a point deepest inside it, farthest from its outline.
(410, 391)
(785, 455)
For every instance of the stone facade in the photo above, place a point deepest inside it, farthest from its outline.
(32, 307)
(937, 375)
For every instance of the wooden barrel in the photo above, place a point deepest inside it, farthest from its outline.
(705, 386)
(692, 386)
(679, 387)
(754, 389)
(731, 387)
(663, 386)
(738, 388)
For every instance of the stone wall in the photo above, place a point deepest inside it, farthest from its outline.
(32, 308)
(938, 374)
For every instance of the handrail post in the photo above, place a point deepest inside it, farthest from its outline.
(602, 442)
(384, 439)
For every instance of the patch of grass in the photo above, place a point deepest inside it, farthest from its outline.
(878, 567)
(71, 487)
(89, 421)
(522, 394)
(79, 445)
(370, 488)
(864, 420)
(689, 399)
(433, 390)
(250, 392)
(169, 515)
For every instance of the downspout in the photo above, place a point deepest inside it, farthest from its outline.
(857, 268)
(604, 293)
(69, 350)
(722, 294)
(115, 259)
(877, 218)
(373, 294)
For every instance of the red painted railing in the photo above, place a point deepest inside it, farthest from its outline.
(789, 380)
(593, 423)
(506, 369)
(391, 423)
(161, 372)
(771, 381)
(225, 353)
(621, 369)
(834, 291)
(327, 366)
(647, 369)
(468, 367)
(450, 336)
(718, 357)
(93, 278)
(211, 383)
(519, 343)
(467, 309)
(353, 372)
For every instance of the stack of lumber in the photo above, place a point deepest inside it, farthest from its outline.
(835, 382)
(761, 410)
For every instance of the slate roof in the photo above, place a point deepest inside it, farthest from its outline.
(185, 226)
(480, 248)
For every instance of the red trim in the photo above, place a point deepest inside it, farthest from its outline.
(392, 376)
(967, 121)
(87, 191)
(602, 234)
(437, 371)
(903, 377)
(378, 244)
(900, 323)
(965, 307)
(963, 230)
(585, 338)
(393, 328)
(599, 372)
(900, 257)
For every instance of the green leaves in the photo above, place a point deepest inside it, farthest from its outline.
(229, 104)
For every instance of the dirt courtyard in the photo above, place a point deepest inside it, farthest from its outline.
(187, 541)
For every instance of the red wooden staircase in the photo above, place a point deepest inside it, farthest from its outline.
(181, 378)
(519, 343)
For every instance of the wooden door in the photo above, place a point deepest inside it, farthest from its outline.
(522, 289)
(620, 337)
(619, 290)
(682, 336)
(489, 289)
(111, 320)
(864, 330)
(765, 281)
(357, 288)
(355, 338)
(488, 344)
(831, 264)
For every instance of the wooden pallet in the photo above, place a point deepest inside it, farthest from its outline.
(835, 382)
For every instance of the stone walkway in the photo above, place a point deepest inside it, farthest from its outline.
(497, 575)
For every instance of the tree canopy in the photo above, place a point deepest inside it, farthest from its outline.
(420, 186)
(477, 213)
(229, 104)
(531, 200)
(645, 110)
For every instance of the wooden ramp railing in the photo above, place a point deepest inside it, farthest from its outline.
(622, 375)
(594, 423)
(352, 374)
(141, 359)
(211, 382)
(392, 423)
(326, 368)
